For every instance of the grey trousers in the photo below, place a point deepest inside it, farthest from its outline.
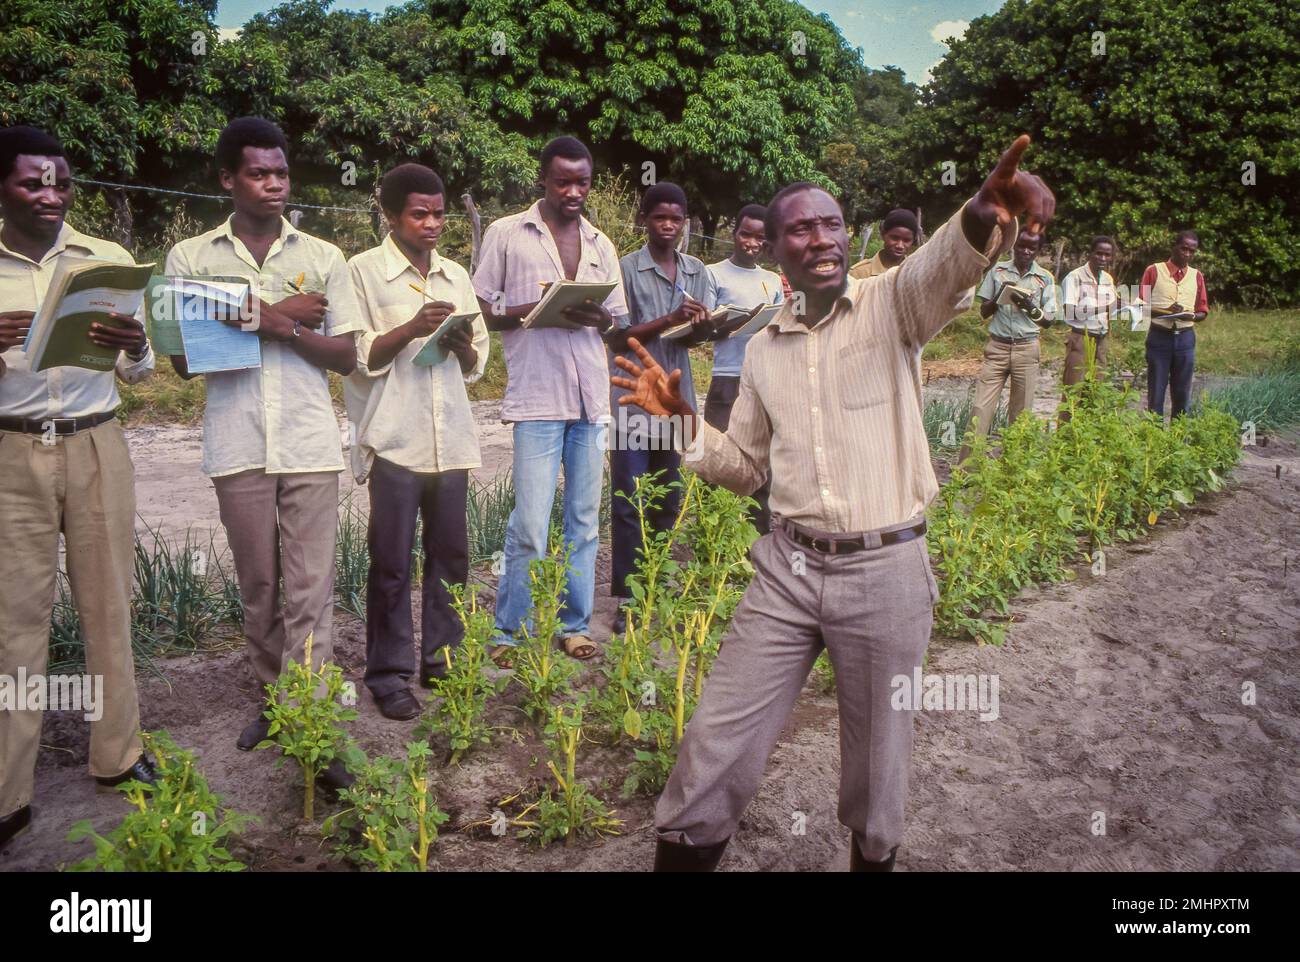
(872, 610)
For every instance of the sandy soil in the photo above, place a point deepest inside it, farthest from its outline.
(1119, 694)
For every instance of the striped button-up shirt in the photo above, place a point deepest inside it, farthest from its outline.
(552, 374)
(60, 392)
(832, 411)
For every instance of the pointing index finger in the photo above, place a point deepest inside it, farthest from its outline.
(1009, 162)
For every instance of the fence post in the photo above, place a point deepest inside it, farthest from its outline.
(476, 229)
(1056, 265)
(920, 229)
(866, 239)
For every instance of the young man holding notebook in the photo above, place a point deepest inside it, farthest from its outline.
(557, 393)
(64, 467)
(1176, 292)
(270, 437)
(413, 431)
(741, 282)
(665, 289)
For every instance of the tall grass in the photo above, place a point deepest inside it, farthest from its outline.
(1270, 401)
(946, 419)
(352, 559)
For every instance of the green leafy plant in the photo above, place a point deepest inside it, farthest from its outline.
(175, 825)
(391, 818)
(352, 559)
(306, 710)
(541, 669)
(458, 703)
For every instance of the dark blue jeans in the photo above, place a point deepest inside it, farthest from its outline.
(1171, 356)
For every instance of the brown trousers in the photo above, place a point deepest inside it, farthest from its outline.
(1002, 362)
(282, 526)
(872, 611)
(83, 486)
(1076, 360)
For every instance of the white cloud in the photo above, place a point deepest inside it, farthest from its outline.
(944, 29)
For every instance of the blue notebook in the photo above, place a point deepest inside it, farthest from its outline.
(212, 345)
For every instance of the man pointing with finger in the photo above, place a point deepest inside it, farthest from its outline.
(828, 405)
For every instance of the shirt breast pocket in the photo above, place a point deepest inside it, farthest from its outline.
(866, 374)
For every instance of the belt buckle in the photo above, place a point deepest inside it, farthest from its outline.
(58, 431)
(829, 545)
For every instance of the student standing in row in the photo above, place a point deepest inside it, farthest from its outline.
(1089, 301)
(1174, 287)
(271, 440)
(664, 288)
(557, 392)
(899, 232)
(743, 283)
(414, 433)
(1013, 350)
(825, 403)
(64, 467)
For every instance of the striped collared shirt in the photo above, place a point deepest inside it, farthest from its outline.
(832, 411)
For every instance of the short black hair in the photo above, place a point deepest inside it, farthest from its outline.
(404, 180)
(25, 140)
(570, 148)
(247, 132)
(663, 193)
(751, 212)
(1101, 239)
(1183, 235)
(1025, 231)
(772, 216)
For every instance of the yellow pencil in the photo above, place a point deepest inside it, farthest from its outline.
(296, 286)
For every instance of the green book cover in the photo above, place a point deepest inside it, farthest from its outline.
(562, 294)
(83, 292)
(432, 353)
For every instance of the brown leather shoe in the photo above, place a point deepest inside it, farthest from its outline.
(676, 857)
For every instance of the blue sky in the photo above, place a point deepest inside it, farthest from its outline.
(898, 32)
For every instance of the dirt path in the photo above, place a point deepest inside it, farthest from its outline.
(1119, 695)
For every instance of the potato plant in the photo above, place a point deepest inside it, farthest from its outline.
(541, 668)
(177, 825)
(1057, 492)
(306, 710)
(458, 704)
(391, 818)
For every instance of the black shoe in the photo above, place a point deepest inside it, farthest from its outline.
(429, 680)
(14, 824)
(254, 734)
(141, 771)
(859, 864)
(334, 779)
(398, 705)
(620, 618)
(676, 857)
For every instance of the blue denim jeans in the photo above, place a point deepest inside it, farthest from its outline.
(541, 448)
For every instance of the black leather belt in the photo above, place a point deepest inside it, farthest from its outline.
(1014, 340)
(847, 545)
(63, 427)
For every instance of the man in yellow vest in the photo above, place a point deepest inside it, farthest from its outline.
(1176, 292)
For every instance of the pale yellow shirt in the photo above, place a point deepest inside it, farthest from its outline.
(60, 392)
(279, 417)
(418, 418)
(833, 412)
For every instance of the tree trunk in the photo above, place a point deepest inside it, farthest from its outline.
(123, 223)
(476, 229)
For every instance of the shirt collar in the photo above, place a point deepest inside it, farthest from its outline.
(534, 216)
(287, 229)
(1176, 272)
(646, 262)
(395, 262)
(68, 236)
(787, 323)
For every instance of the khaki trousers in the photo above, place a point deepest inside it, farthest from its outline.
(1002, 362)
(84, 486)
(1076, 359)
(282, 526)
(872, 610)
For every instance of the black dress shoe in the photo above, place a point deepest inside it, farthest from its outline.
(620, 618)
(334, 779)
(14, 824)
(676, 857)
(141, 771)
(859, 864)
(398, 705)
(254, 734)
(429, 680)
